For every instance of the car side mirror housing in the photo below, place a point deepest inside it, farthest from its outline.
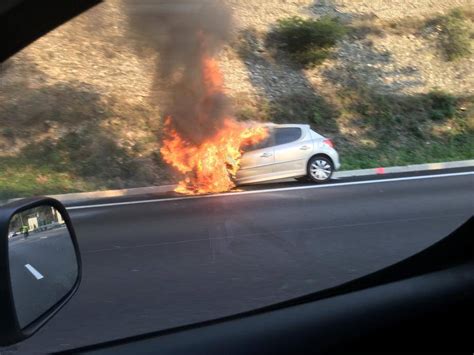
(40, 265)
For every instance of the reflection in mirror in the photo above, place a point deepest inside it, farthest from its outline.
(42, 258)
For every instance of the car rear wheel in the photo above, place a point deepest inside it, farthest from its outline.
(320, 169)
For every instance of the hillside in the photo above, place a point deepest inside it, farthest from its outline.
(81, 108)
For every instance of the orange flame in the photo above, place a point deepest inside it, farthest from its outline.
(211, 165)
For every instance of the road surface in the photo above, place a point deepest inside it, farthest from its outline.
(154, 265)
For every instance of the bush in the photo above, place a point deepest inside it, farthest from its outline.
(442, 105)
(309, 41)
(455, 35)
(311, 57)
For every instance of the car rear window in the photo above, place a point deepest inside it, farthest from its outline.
(287, 135)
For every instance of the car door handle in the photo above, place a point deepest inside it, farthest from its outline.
(266, 155)
(305, 147)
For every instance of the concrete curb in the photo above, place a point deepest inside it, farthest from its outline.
(85, 196)
(404, 169)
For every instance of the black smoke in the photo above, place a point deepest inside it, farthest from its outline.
(181, 32)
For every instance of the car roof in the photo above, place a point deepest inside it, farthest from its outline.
(287, 125)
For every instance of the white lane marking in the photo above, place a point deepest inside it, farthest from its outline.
(35, 272)
(365, 182)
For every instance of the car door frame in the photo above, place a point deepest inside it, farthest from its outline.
(294, 167)
(264, 169)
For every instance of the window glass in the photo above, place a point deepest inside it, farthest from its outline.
(269, 141)
(287, 135)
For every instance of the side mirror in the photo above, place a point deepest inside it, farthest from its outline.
(40, 265)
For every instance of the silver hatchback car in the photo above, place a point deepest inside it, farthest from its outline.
(289, 151)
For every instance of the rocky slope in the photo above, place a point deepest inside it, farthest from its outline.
(82, 101)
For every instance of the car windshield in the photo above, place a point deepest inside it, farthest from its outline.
(217, 157)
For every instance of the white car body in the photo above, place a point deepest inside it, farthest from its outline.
(284, 154)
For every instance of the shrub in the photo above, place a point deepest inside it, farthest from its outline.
(442, 105)
(317, 118)
(309, 41)
(455, 35)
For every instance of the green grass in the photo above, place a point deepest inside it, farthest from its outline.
(408, 129)
(441, 105)
(69, 138)
(460, 147)
(75, 163)
(18, 177)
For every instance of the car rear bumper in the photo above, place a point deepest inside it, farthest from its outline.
(334, 157)
(337, 163)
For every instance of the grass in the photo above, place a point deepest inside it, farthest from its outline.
(459, 147)
(68, 138)
(441, 105)
(76, 162)
(309, 42)
(18, 177)
(407, 129)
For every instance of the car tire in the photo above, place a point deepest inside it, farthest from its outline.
(320, 169)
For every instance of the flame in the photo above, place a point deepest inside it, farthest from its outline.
(211, 165)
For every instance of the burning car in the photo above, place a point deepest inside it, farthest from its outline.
(289, 151)
(202, 140)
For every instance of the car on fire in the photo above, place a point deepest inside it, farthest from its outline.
(289, 151)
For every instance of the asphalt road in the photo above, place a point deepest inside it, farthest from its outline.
(151, 266)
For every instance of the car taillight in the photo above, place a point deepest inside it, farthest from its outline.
(329, 142)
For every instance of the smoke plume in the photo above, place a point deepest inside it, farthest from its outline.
(183, 32)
